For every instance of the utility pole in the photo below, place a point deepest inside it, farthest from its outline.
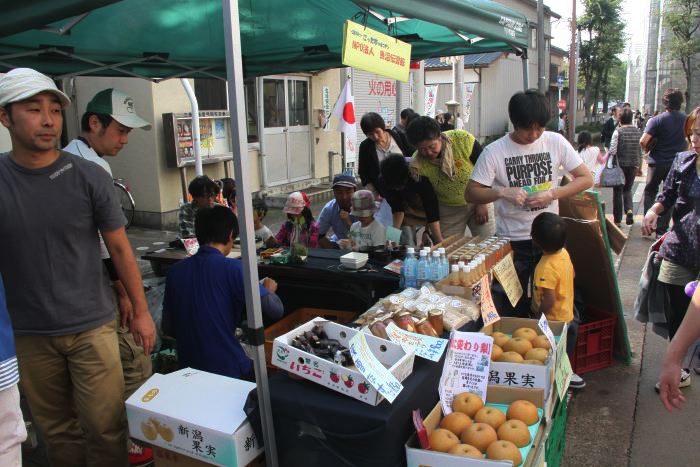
(573, 79)
(541, 59)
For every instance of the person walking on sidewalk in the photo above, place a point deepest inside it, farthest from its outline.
(624, 147)
(105, 126)
(681, 246)
(664, 138)
(58, 292)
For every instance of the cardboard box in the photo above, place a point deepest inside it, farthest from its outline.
(521, 374)
(346, 380)
(195, 414)
(167, 458)
(415, 456)
(472, 293)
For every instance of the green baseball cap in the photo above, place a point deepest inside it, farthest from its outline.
(119, 106)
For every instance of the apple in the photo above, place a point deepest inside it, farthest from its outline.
(442, 440)
(518, 344)
(496, 352)
(511, 357)
(537, 353)
(499, 338)
(456, 422)
(466, 450)
(541, 342)
(504, 450)
(516, 432)
(467, 403)
(523, 410)
(527, 333)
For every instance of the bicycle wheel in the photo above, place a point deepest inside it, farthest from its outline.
(127, 203)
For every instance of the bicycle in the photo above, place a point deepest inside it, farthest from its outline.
(126, 201)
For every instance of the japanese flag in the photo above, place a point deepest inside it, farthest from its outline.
(344, 110)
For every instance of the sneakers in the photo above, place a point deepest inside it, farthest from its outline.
(577, 382)
(139, 456)
(629, 217)
(684, 382)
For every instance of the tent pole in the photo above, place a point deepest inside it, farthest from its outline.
(526, 75)
(196, 147)
(241, 166)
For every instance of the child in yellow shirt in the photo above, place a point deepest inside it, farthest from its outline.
(553, 280)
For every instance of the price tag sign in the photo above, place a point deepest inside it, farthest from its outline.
(544, 326)
(488, 309)
(372, 369)
(428, 347)
(505, 273)
(466, 367)
(562, 371)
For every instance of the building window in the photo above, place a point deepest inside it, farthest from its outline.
(251, 109)
(212, 95)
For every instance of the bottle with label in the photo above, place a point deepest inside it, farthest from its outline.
(409, 269)
(455, 278)
(444, 263)
(423, 269)
(435, 267)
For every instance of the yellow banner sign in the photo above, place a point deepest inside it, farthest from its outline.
(375, 52)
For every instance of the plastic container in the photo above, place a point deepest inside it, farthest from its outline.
(423, 269)
(409, 269)
(594, 344)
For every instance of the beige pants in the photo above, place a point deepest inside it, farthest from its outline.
(460, 220)
(135, 364)
(75, 389)
(12, 430)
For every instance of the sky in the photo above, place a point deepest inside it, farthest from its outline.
(635, 15)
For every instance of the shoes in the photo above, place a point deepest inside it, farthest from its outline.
(629, 217)
(618, 224)
(139, 456)
(684, 382)
(577, 382)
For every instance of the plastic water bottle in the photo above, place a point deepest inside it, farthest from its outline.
(423, 269)
(409, 269)
(435, 267)
(444, 263)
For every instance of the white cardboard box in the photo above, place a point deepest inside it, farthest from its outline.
(197, 414)
(418, 457)
(346, 380)
(523, 375)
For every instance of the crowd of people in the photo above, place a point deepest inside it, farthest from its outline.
(74, 324)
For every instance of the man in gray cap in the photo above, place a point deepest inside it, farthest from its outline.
(335, 215)
(58, 292)
(105, 126)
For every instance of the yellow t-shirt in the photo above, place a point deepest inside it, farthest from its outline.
(556, 272)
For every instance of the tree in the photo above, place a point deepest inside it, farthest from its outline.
(682, 17)
(613, 88)
(602, 38)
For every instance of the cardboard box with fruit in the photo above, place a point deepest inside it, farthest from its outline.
(522, 356)
(195, 414)
(344, 379)
(506, 431)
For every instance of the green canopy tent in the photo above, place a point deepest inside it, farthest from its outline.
(162, 39)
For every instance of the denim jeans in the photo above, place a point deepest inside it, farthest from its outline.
(622, 195)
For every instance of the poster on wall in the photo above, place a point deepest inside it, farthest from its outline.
(430, 99)
(468, 93)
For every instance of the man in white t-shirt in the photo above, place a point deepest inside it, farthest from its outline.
(520, 174)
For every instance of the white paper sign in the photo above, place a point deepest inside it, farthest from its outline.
(544, 325)
(466, 367)
(372, 369)
(428, 347)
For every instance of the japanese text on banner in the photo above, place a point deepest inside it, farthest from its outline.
(466, 367)
(505, 273)
(427, 347)
(488, 309)
(373, 51)
(372, 369)
(544, 325)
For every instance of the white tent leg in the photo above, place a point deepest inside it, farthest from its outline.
(196, 147)
(241, 167)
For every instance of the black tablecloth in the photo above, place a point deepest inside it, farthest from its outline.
(316, 426)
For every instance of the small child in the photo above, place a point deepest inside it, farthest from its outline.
(299, 214)
(553, 280)
(262, 231)
(367, 232)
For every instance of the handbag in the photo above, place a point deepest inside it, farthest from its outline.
(612, 174)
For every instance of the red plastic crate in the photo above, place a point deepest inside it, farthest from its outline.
(594, 344)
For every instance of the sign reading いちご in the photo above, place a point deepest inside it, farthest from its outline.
(373, 51)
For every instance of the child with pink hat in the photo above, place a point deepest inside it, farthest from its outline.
(367, 232)
(299, 216)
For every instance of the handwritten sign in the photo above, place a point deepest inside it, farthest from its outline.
(373, 51)
(372, 369)
(544, 326)
(488, 309)
(428, 347)
(393, 234)
(505, 273)
(562, 371)
(466, 367)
